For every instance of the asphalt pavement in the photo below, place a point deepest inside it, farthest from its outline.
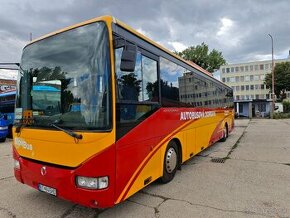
(246, 176)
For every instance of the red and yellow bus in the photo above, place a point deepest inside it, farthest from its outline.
(120, 113)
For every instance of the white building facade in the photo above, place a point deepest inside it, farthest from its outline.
(251, 96)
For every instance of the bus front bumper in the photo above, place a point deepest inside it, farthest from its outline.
(61, 181)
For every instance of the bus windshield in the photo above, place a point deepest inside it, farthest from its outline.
(65, 80)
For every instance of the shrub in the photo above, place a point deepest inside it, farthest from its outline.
(286, 106)
(281, 115)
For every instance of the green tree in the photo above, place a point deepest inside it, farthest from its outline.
(282, 79)
(200, 55)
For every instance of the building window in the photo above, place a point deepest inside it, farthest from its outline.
(251, 78)
(228, 70)
(262, 77)
(256, 87)
(256, 78)
(247, 87)
(232, 79)
(261, 66)
(242, 78)
(237, 78)
(251, 68)
(223, 70)
(228, 79)
(242, 88)
(257, 96)
(256, 67)
(262, 86)
(237, 88)
(232, 69)
(252, 87)
(237, 69)
(242, 68)
(224, 80)
(267, 96)
(247, 78)
(246, 68)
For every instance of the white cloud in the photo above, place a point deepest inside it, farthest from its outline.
(178, 46)
(143, 32)
(228, 34)
(226, 26)
(10, 47)
(238, 29)
(260, 57)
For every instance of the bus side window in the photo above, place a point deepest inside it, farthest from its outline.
(135, 89)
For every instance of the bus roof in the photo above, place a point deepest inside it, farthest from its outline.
(109, 19)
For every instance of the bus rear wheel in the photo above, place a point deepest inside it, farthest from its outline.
(171, 161)
(225, 134)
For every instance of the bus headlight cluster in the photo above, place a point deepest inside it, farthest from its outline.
(92, 183)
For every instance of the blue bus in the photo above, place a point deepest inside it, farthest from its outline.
(7, 102)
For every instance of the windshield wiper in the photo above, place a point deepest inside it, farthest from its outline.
(69, 132)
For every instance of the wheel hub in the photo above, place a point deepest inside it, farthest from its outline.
(171, 160)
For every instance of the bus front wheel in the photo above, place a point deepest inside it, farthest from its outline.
(170, 163)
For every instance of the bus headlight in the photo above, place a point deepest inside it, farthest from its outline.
(92, 183)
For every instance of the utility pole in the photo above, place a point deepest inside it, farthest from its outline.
(273, 76)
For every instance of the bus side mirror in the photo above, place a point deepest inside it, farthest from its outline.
(128, 59)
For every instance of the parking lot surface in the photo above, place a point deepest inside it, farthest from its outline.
(246, 176)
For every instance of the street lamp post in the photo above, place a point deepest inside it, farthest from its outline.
(273, 83)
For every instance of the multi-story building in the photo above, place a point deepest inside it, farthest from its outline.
(252, 97)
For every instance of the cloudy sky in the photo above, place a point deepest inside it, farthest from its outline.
(237, 28)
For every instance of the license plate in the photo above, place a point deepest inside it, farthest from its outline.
(46, 189)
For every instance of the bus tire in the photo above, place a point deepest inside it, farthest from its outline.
(170, 162)
(3, 139)
(225, 134)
